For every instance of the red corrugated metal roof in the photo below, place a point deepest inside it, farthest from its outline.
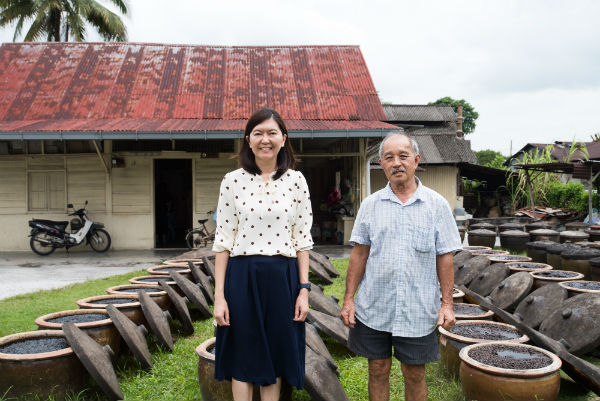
(128, 86)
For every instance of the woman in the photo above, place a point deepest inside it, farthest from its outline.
(261, 280)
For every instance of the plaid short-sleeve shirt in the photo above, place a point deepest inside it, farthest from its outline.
(400, 292)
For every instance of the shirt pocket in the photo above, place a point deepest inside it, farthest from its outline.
(422, 240)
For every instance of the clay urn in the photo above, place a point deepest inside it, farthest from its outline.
(213, 390)
(155, 280)
(536, 250)
(577, 226)
(573, 236)
(553, 252)
(128, 304)
(544, 234)
(475, 248)
(542, 278)
(508, 258)
(466, 332)
(464, 311)
(489, 252)
(511, 227)
(481, 237)
(578, 260)
(576, 287)
(154, 291)
(96, 324)
(595, 269)
(594, 233)
(537, 226)
(514, 240)
(165, 270)
(39, 365)
(507, 371)
(524, 266)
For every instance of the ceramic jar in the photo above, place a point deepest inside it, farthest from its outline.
(542, 278)
(132, 309)
(484, 381)
(573, 236)
(578, 260)
(514, 240)
(154, 291)
(481, 237)
(536, 250)
(553, 254)
(544, 234)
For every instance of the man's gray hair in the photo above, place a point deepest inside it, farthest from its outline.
(414, 146)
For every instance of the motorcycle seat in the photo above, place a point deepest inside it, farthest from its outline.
(61, 225)
(202, 221)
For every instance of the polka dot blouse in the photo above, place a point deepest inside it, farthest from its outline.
(256, 217)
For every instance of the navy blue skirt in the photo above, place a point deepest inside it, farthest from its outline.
(262, 342)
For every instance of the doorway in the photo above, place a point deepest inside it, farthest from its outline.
(172, 202)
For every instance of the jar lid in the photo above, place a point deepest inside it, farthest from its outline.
(543, 231)
(574, 234)
(540, 244)
(540, 303)
(482, 225)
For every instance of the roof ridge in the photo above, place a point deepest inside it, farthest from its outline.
(175, 45)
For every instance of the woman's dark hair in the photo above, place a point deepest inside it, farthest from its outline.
(285, 158)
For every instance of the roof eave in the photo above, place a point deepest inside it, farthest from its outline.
(170, 135)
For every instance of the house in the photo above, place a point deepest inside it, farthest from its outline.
(562, 151)
(132, 127)
(434, 127)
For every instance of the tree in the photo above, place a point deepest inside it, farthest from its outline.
(56, 20)
(469, 113)
(490, 158)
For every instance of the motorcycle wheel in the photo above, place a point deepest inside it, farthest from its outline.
(39, 245)
(99, 240)
(195, 239)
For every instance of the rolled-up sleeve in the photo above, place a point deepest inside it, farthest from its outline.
(447, 238)
(227, 222)
(301, 237)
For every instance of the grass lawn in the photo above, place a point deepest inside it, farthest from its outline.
(174, 376)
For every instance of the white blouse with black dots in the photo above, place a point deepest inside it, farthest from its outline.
(256, 217)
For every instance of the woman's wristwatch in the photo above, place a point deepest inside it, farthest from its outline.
(304, 285)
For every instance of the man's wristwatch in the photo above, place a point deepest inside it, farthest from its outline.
(304, 285)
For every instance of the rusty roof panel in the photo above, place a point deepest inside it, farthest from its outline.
(117, 84)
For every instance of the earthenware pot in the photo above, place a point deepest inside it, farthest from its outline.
(451, 343)
(578, 260)
(516, 267)
(102, 329)
(481, 237)
(553, 252)
(509, 258)
(464, 311)
(594, 234)
(537, 226)
(514, 240)
(473, 248)
(595, 269)
(577, 226)
(489, 252)
(213, 390)
(542, 278)
(483, 381)
(576, 287)
(457, 295)
(544, 234)
(536, 250)
(57, 373)
(511, 227)
(154, 279)
(132, 309)
(165, 270)
(156, 293)
(573, 236)
(482, 226)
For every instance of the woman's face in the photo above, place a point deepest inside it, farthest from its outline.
(265, 140)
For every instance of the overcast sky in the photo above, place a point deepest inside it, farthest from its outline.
(530, 68)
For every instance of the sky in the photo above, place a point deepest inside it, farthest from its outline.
(531, 68)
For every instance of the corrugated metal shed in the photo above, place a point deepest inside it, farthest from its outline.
(419, 113)
(128, 87)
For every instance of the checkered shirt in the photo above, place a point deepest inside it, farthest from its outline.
(400, 292)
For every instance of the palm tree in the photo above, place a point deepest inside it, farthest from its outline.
(50, 18)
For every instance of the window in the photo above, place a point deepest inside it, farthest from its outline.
(47, 191)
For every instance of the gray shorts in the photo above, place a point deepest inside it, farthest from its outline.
(374, 344)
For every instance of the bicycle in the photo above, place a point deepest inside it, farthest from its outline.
(201, 237)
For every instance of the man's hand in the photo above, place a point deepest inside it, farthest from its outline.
(347, 314)
(446, 317)
(301, 309)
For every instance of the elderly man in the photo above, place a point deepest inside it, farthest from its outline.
(404, 238)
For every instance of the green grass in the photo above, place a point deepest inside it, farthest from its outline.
(174, 375)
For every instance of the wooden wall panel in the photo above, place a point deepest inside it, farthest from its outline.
(131, 186)
(86, 180)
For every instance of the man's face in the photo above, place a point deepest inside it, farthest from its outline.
(398, 160)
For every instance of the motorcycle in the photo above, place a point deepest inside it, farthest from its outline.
(47, 235)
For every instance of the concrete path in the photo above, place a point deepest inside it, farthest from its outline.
(25, 272)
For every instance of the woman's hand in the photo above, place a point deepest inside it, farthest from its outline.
(301, 306)
(221, 311)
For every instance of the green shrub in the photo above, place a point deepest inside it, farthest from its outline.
(571, 195)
